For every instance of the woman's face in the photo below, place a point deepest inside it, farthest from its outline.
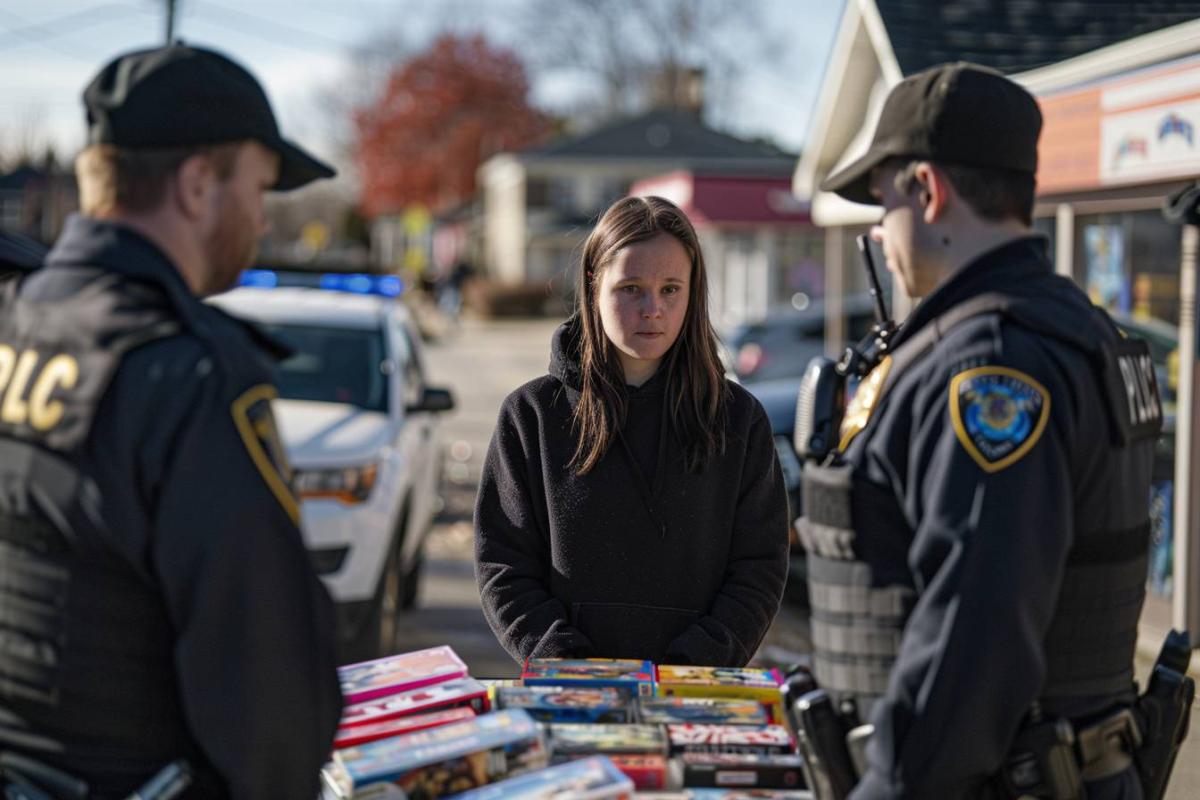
(643, 300)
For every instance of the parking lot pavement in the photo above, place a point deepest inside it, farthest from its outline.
(481, 362)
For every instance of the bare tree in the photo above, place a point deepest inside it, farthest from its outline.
(359, 84)
(643, 54)
(23, 139)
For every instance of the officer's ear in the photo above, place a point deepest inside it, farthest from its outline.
(195, 182)
(933, 191)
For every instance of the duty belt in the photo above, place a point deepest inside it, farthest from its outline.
(1053, 758)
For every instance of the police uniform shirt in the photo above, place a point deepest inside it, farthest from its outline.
(974, 473)
(227, 655)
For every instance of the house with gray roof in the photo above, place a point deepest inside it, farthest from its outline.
(538, 205)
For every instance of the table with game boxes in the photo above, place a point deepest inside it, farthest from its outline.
(417, 726)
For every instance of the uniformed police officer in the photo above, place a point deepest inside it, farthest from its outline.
(978, 547)
(19, 254)
(156, 599)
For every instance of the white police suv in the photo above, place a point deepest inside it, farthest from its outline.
(360, 427)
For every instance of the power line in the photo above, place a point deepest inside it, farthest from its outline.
(253, 25)
(44, 32)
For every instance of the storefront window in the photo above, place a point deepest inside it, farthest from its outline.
(1048, 227)
(1129, 263)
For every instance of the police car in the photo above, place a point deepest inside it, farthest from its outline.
(360, 426)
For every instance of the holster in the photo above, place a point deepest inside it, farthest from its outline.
(1053, 759)
(1164, 711)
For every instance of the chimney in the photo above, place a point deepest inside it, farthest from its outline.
(690, 91)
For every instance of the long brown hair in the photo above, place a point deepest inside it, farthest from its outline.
(696, 387)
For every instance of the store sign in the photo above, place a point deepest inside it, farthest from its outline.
(1158, 142)
(1125, 129)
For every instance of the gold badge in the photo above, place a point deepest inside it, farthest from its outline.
(866, 397)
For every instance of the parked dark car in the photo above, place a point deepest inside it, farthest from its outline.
(782, 344)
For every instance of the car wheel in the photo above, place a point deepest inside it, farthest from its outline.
(391, 592)
(376, 636)
(412, 582)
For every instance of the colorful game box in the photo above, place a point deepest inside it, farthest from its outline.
(748, 794)
(592, 778)
(399, 673)
(361, 734)
(725, 794)
(649, 772)
(569, 740)
(637, 676)
(568, 703)
(761, 739)
(708, 710)
(442, 761)
(452, 694)
(742, 769)
(761, 685)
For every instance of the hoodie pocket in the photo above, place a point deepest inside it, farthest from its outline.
(626, 630)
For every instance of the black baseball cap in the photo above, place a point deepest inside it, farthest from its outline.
(178, 96)
(958, 113)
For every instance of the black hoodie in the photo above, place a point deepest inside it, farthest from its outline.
(627, 562)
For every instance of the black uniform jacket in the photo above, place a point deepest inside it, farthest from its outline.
(638, 558)
(196, 512)
(976, 509)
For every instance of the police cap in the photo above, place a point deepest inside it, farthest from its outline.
(179, 96)
(961, 114)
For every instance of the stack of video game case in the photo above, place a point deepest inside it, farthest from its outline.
(417, 727)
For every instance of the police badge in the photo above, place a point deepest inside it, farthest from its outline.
(998, 414)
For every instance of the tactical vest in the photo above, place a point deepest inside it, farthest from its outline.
(858, 620)
(85, 641)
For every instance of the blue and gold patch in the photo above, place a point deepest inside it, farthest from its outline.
(998, 414)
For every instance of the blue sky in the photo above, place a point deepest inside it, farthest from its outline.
(49, 49)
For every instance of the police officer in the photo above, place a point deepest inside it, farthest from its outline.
(156, 599)
(977, 549)
(19, 254)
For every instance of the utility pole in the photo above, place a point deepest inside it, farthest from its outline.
(170, 21)
(1184, 208)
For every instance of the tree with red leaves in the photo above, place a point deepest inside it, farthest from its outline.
(440, 115)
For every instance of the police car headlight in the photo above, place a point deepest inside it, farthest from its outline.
(349, 484)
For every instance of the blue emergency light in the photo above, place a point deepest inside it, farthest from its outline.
(353, 283)
(260, 278)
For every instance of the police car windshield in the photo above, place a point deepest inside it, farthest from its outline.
(333, 365)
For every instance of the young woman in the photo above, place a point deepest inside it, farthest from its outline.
(631, 505)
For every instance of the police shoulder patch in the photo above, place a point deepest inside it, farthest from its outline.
(256, 425)
(998, 414)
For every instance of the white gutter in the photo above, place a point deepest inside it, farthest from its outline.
(1167, 44)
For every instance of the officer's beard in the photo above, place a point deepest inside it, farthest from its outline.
(231, 247)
